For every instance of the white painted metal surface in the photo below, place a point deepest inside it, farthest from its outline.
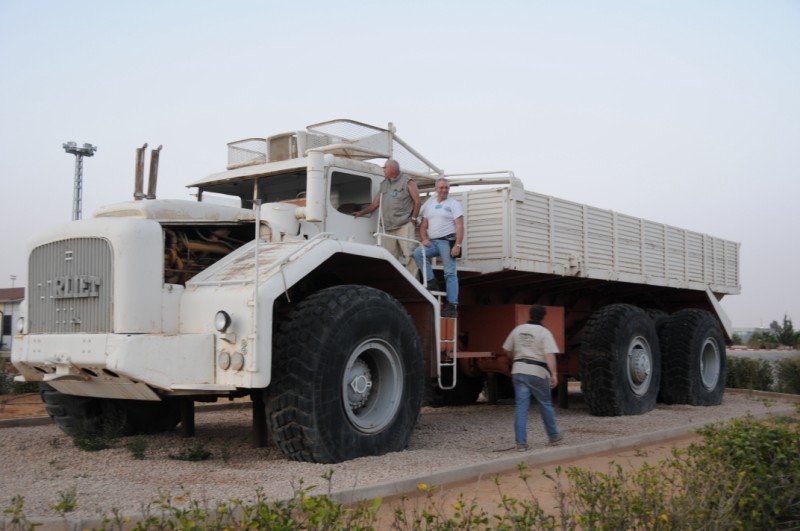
(545, 234)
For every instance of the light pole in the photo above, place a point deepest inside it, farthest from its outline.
(87, 150)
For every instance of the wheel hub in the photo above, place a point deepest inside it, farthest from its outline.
(640, 366)
(710, 364)
(360, 384)
(372, 385)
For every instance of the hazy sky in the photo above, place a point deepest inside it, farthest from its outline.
(682, 112)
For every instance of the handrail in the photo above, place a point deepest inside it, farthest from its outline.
(440, 363)
(379, 236)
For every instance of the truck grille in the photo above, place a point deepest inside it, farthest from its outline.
(70, 286)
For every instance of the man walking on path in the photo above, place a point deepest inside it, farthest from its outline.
(532, 349)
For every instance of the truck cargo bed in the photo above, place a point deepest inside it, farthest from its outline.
(544, 234)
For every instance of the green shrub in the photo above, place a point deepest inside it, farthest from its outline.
(137, 447)
(754, 468)
(7, 384)
(743, 475)
(788, 371)
(99, 435)
(749, 373)
(198, 452)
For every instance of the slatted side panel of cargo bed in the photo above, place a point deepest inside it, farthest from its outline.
(486, 224)
(654, 246)
(568, 225)
(724, 269)
(601, 255)
(681, 261)
(576, 239)
(531, 229)
(547, 234)
(628, 238)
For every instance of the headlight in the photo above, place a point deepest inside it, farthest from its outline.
(222, 321)
(20, 325)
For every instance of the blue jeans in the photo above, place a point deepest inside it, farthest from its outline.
(526, 385)
(440, 248)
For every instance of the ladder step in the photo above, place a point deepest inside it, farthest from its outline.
(447, 355)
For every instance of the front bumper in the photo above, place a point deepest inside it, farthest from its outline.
(128, 366)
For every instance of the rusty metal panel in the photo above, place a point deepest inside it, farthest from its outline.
(486, 327)
(447, 329)
(70, 285)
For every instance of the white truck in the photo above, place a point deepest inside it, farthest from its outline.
(284, 296)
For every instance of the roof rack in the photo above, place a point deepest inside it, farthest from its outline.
(342, 138)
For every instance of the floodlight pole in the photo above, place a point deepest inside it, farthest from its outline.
(87, 150)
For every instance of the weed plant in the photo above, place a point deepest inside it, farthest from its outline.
(198, 452)
(226, 453)
(137, 447)
(96, 436)
(67, 501)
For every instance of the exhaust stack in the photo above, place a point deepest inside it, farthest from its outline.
(151, 185)
(138, 194)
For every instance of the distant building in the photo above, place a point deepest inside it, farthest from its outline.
(10, 303)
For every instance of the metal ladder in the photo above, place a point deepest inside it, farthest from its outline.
(448, 328)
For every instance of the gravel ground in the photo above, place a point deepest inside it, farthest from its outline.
(41, 464)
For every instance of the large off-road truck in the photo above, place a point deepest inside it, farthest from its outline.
(268, 287)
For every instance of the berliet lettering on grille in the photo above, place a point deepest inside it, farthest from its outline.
(76, 286)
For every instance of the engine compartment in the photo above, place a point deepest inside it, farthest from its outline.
(190, 249)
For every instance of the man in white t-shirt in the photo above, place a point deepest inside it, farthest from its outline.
(441, 234)
(532, 349)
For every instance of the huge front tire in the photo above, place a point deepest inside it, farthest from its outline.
(694, 359)
(80, 414)
(620, 362)
(348, 377)
(73, 414)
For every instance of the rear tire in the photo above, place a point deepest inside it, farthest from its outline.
(694, 359)
(348, 377)
(620, 362)
(659, 317)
